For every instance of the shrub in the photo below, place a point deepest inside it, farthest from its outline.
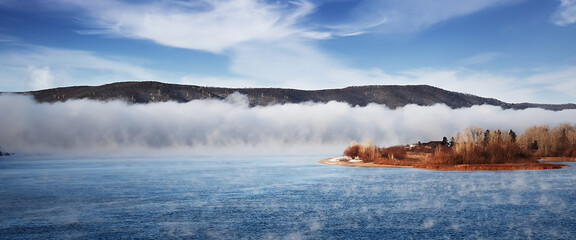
(495, 152)
(368, 152)
(352, 150)
(394, 152)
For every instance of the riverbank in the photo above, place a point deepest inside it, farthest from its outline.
(493, 167)
(558, 159)
(461, 167)
(336, 161)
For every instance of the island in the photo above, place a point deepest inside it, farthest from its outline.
(472, 149)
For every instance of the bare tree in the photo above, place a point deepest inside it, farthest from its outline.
(539, 135)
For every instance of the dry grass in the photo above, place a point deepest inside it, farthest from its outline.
(491, 157)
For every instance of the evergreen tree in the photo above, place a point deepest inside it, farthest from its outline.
(486, 137)
(444, 141)
(512, 136)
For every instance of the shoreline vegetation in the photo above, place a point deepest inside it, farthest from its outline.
(472, 149)
(5, 153)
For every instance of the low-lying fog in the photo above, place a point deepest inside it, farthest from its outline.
(232, 127)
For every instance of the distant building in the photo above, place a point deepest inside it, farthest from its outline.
(433, 144)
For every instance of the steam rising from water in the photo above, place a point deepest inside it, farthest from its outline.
(232, 127)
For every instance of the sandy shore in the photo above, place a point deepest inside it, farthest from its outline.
(558, 159)
(464, 167)
(330, 161)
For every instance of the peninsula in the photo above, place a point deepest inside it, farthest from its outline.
(472, 149)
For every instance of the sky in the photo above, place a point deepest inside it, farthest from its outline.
(512, 50)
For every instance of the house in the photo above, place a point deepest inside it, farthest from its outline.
(432, 144)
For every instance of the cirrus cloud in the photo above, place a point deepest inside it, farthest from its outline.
(565, 14)
(408, 16)
(212, 26)
(269, 46)
(38, 67)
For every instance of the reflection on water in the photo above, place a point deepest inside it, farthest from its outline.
(276, 197)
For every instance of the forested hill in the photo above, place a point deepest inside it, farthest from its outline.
(392, 96)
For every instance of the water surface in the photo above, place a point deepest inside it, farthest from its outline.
(276, 197)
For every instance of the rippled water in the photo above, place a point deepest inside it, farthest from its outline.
(276, 197)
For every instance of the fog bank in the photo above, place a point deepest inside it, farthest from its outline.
(212, 127)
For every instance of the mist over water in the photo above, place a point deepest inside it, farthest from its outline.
(230, 126)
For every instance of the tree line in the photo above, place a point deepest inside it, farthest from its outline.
(544, 141)
(475, 145)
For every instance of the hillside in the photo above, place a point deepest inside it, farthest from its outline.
(392, 96)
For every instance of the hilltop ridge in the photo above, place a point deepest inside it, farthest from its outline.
(393, 96)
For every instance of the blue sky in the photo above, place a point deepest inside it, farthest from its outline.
(513, 50)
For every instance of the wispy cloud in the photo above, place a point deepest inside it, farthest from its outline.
(212, 26)
(559, 82)
(544, 86)
(295, 65)
(36, 67)
(265, 41)
(565, 14)
(290, 63)
(408, 16)
(40, 78)
(268, 47)
(9, 39)
(481, 58)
